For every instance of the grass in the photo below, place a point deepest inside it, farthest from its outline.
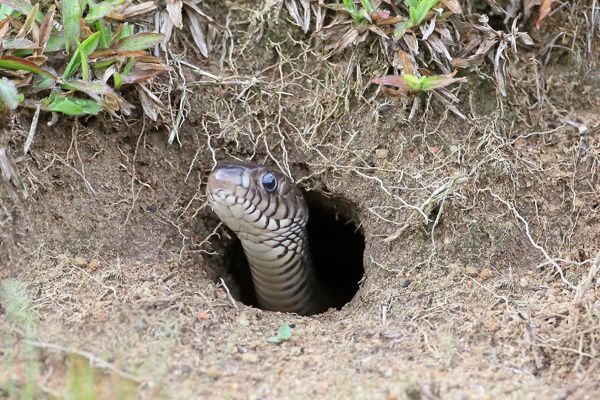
(72, 57)
(20, 373)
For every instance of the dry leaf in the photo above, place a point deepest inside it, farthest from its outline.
(174, 8)
(196, 28)
(452, 5)
(545, 7)
(151, 104)
(45, 30)
(10, 176)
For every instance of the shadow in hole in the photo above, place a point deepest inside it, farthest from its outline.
(336, 246)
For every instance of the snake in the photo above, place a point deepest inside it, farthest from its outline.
(268, 213)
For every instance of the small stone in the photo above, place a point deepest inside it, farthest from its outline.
(524, 282)
(94, 265)
(214, 373)
(80, 262)
(295, 351)
(485, 274)
(250, 357)
(381, 153)
(471, 271)
(492, 326)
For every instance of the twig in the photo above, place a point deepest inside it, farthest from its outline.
(228, 293)
(93, 359)
(585, 284)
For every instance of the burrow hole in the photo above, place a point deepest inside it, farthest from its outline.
(336, 243)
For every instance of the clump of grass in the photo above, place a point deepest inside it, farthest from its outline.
(17, 305)
(20, 368)
(359, 14)
(417, 13)
(412, 83)
(72, 57)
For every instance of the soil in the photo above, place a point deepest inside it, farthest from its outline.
(481, 234)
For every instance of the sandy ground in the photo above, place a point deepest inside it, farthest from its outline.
(481, 233)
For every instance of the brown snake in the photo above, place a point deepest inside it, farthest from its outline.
(268, 213)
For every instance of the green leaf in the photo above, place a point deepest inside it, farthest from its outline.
(350, 6)
(407, 82)
(56, 42)
(140, 41)
(412, 81)
(421, 10)
(118, 79)
(104, 63)
(128, 66)
(400, 29)
(106, 34)
(5, 11)
(22, 6)
(41, 84)
(71, 14)
(283, 335)
(73, 105)
(85, 67)
(126, 30)
(87, 47)
(21, 64)
(367, 6)
(9, 96)
(97, 11)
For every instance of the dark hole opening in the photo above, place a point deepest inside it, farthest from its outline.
(336, 244)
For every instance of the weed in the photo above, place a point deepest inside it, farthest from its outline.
(359, 14)
(408, 82)
(69, 70)
(417, 12)
(20, 369)
(18, 383)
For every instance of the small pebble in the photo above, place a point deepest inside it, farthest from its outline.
(80, 262)
(250, 357)
(381, 153)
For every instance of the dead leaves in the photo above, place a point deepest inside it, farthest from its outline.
(545, 8)
(10, 177)
(484, 41)
(199, 22)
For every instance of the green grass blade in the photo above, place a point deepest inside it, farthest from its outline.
(73, 106)
(71, 14)
(367, 6)
(85, 67)
(140, 41)
(350, 6)
(106, 34)
(5, 11)
(22, 6)
(422, 10)
(98, 11)
(56, 42)
(21, 64)
(88, 46)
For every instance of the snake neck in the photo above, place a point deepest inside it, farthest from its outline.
(283, 275)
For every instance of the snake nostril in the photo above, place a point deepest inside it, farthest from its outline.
(226, 178)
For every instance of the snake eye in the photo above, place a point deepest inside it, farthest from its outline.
(269, 182)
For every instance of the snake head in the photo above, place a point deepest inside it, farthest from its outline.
(256, 201)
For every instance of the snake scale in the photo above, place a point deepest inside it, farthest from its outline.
(268, 213)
